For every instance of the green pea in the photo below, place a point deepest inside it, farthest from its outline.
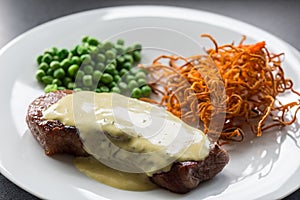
(97, 75)
(120, 42)
(59, 73)
(55, 65)
(50, 88)
(129, 50)
(50, 72)
(128, 58)
(141, 82)
(66, 81)
(57, 82)
(120, 60)
(100, 67)
(106, 78)
(140, 75)
(47, 79)
(44, 66)
(63, 53)
(137, 47)
(101, 57)
(98, 90)
(76, 60)
(123, 72)
(39, 59)
(136, 93)
(110, 54)
(117, 78)
(146, 91)
(120, 50)
(40, 74)
(87, 80)
(136, 56)
(72, 70)
(104, 89)
(112, 84)
(93, 41)
(110, 68)
(127, 65)
(116, 90)
(81, 50)
(88, 69)
(61, 88)
(132, 84)
(79, 74)
(71, 85)
(86, 58)
(108, 45)
(113, 62)
(85, 39)
(129, 78)
(123, 86)
(66, 63)
(47, 58)
(54, 50)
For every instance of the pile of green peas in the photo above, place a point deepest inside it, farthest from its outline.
(94, 66)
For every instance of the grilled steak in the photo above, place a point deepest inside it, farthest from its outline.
(57, 138)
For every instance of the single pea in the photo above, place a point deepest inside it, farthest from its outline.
(137, 47)
(77, 89)
(47, 79)
(87, 80)
(140, 75)
(106, 78)
(86, 58)
(61, 88)
(104, 89)
(120, 50)
(123, 72)
(117, 78)
(66, 81)
(128, 58)
(54, 50)
(47, 58)
(40, 74)
(98, 90)
(141, 82)
(81, 50)
(120, 41)
(65, 63)
(71, 85)
(136, 93)
(110, 54)
(39, 59)
(50, 88)
(56, 58)
(59, 73)
(127, 65)
(92, 49)
(123, 86)
(75, 60)
(101, 57)
(55, 65)
(44, 66)
(63, 53)
(100, 67)
(120, 60)
(129, 50)
(108, 45)
(110, 69)
(129, 78)
(115, 72)
(146, 91)
(88, 69)
(57, 82)
(112, 84)
(79, 75)
(50, 72)
(132, 84)
(93, 41)
(136, 56)
(85, 39)
(72, 70)
(111, 61)
(97, 75)
(116, 89)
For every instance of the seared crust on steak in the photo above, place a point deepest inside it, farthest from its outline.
(57, 138)
(185, 176)
(52, 135)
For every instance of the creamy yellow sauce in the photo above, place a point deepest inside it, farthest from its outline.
(127, 134)
(114, 178)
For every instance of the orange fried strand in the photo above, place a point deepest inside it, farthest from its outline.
(252, 77)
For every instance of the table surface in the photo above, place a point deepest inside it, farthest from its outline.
(279, 17)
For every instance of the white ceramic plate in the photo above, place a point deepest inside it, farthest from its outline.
(263, 168)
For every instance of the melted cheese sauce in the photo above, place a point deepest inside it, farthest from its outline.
(127, 135)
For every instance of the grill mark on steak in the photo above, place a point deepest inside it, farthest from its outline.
(56, 138)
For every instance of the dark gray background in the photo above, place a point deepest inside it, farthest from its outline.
(279, 17)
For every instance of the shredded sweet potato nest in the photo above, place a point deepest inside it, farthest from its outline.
(251, 76)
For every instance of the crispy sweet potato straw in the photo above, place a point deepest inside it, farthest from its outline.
(252, 78)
